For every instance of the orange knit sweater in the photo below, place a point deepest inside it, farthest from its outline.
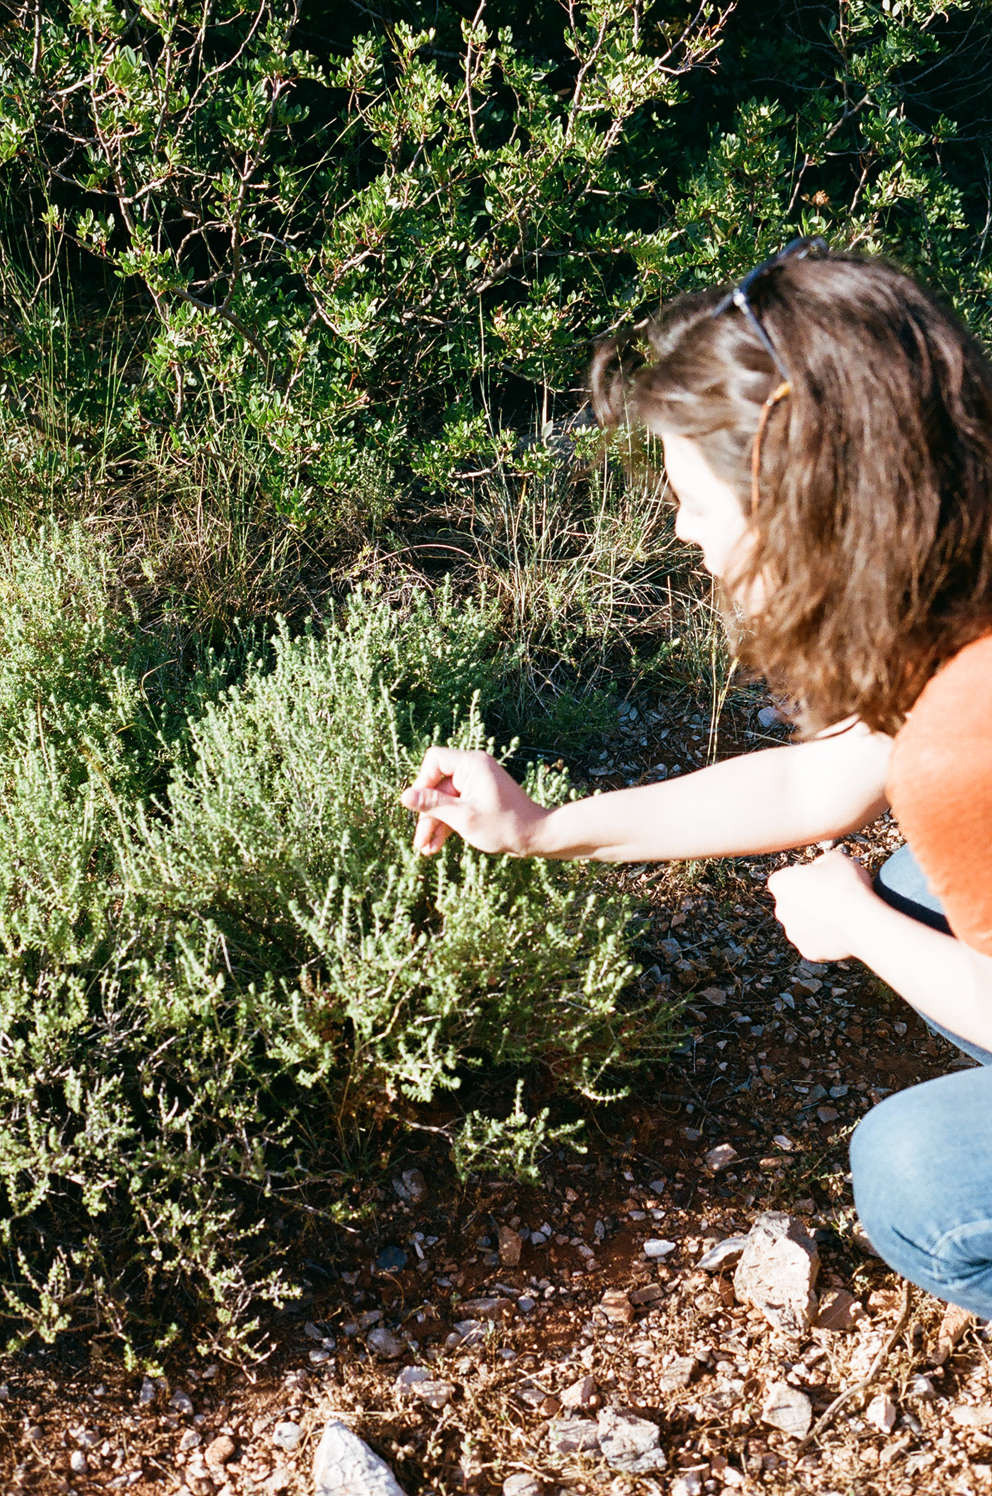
(940, 789)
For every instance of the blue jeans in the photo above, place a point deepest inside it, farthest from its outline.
(921, 1161)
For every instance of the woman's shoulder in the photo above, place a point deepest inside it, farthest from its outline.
(958, 695)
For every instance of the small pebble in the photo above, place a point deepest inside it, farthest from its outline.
(287, 1435)
(658, 1247)
(391, 1259)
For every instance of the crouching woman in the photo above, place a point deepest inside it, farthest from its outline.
(827, 437)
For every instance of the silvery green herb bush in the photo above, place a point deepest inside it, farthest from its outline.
(222, 965)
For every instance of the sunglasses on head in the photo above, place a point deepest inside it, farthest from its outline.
(796, 249)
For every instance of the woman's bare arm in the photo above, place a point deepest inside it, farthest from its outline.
(758, 802)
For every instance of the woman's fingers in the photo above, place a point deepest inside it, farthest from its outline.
(430, 835)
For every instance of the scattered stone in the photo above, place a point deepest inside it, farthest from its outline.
(510, 1247)
(617, 1307)
(181, 1401)
(921, 1386)
(770, 716)
(658, 1247)
(726, 1253)
(952, 1327)
(78, 1462)
(391, 1259)
(649, 1294)
(147, 1393)
(715, 995)
(573, 1436)
(630, 1444)
(777, 1270)
(344, 1465)
(721, 1157)
(414, 1185)
(689, 1483)
(287, 1435)
(827, 1113)
(219, 1452)
(385, 1344)
(839, 1310)
(677, 1375)
(467, 1332)
(972, 1417)
(522, 1484)
(191, 1439)
(427, 1389)
(496, 1309)
(580, 1394)
(788, 1409)
(882, 1413)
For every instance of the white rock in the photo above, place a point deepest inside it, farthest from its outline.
(788, 1409)
(191, 1439)
(432, 1391)
(522, 1484)
(972, 1417)
(882, 1412)
(181, 1401)
(690, 1483)
(78, 1462)
(777, 1270)
(147, 1393)
(726, 1253)
(628, 1443)
(287, 1435)
(384, 1343)
(721, 1157)
(658, 1247)
(344, 1465)
(469, 1331)
(572, 1436)
(580, 1394)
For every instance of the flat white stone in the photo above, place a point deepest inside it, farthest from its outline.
(788, 1409)
(573, 1436)
(344, 1465)
(658, 1247)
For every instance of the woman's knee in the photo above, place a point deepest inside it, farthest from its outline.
(888, 1156)
(921, 1166)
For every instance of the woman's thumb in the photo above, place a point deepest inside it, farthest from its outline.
(427, 801)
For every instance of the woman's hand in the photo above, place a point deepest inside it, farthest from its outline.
(469, 792)
(820, 904)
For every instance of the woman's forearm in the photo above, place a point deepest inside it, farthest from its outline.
(759, 802)
(941, 977)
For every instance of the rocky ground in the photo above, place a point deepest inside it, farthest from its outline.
(604, 1332)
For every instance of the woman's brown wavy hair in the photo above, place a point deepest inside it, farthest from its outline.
(872, 500)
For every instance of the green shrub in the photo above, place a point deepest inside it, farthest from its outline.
(208, 995)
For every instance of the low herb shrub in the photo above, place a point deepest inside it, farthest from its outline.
(252, 968)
